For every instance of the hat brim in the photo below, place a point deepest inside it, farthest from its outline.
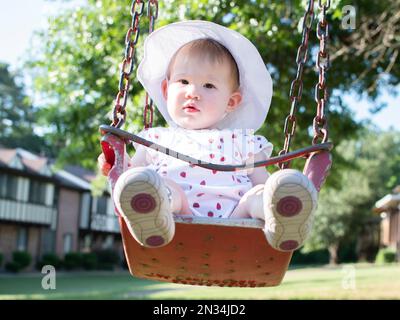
(255, 80)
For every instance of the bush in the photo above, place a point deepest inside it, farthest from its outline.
(1, 259)
(347, 253)
(312, 257)
(13, 266)
(100, 259)
(21, 260)
(107, 259)
(89, 261)
(72, 261)
(49, 259)
(386, 255)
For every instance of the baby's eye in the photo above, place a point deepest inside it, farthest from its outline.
(183, 81)
(209, 86)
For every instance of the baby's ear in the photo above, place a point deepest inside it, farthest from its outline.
(234, 101)
(164, 88)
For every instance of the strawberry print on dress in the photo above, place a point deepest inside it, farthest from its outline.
(210, 193)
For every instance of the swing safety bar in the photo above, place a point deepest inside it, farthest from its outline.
(128, 137)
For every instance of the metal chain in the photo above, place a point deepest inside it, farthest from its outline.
(320, 123)
(296, 87)
(131, 39)
(152, 13)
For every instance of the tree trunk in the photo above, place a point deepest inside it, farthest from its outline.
(333, 254)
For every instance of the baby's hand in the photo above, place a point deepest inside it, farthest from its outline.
(103, 165)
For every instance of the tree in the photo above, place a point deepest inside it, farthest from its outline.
(375, 165)
(17, 115)
(76, 72)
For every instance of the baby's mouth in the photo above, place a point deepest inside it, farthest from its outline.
(190, 108)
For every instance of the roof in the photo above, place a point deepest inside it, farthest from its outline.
(387, 202)
(83, 173)
(22, 160)
(67, 179)
(6, 155)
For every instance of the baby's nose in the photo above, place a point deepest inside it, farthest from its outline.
(192, 92)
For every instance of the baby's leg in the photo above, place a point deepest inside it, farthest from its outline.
(290, 200)
(147, 203)
(179, 202)
(286, 203)
(251, 204)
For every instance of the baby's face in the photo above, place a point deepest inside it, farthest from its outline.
(199, 93)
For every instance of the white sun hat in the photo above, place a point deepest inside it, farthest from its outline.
(255, 80)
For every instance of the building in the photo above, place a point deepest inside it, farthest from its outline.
(43, 210)
(389, 209)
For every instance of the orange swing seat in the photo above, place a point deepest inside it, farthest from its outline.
(208, 251)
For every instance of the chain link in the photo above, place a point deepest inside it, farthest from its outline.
(128, 64)
(296, 87)
(152, 13)
(320, 123)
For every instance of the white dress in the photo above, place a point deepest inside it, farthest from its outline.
(210, 193)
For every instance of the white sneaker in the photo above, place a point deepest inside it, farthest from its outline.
(142, 199)
(290, 200)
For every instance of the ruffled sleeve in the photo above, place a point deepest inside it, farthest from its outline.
(155, 135)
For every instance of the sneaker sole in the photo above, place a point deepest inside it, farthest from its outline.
(143, 201)
(293, 200)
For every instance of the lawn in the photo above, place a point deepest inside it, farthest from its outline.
(358, 281)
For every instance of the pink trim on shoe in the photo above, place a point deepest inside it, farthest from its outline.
(143, 203)
(290, 200)
(289, 206)
(141, 197)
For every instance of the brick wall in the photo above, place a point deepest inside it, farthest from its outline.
(8, 241)
(68, 219)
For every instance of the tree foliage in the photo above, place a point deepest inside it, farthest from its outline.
(342, 213)
(17, 115)
(76, 67)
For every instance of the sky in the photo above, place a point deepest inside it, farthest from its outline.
(19, 18)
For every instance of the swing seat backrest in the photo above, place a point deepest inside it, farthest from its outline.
(207, 251)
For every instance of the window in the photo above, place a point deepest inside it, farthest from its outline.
(87, 243)
(3, 185)
(102, 205)
(109, 242)
(37, 192)
(67, 242)
(22, 239)
(8, 186)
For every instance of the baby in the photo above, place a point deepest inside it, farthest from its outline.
(213, 89)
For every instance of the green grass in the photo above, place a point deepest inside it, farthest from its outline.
(358, 281)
